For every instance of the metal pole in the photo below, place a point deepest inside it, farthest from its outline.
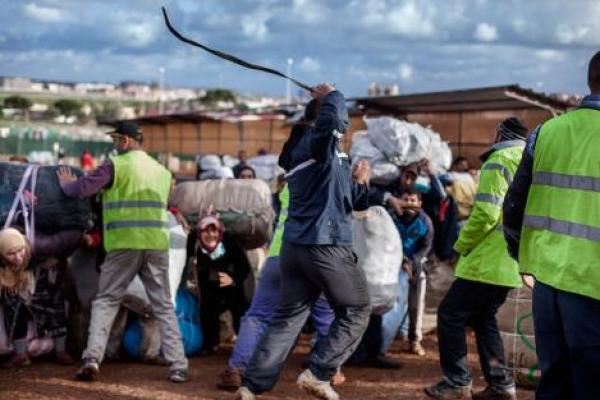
(288, 84)
(161, 85)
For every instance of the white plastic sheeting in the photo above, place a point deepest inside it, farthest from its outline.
(399, 143)
(377, 244)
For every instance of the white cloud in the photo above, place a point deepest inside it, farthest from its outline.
(309, 10)
(405, 71)
(41, 13)
(134, 29)
(571, 34)
(550, 55)
(309, 64)
(485, 32)
(255, 25)
(411, 19)
(139, 35)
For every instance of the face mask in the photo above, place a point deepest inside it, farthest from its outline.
(219, 251)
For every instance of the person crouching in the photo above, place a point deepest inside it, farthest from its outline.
(221, 269)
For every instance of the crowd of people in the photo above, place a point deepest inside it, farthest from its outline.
(528, 215)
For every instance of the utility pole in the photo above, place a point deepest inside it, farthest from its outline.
(288, 84)
(161, 87)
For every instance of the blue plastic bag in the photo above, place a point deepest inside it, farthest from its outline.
(186, 310)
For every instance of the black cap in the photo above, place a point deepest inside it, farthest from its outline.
(127, 128)
(512, 128)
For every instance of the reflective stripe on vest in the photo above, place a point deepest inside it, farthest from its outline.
(495, 166)
(135, 224)
(560, 238)
(563, 227)
(489, 198)
(567, 181)
(133, 204)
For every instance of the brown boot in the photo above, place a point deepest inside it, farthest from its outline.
(64, 358)
(230, 380)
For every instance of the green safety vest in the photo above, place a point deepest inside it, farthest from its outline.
(134, 208)
(560, 238)
(284, 198)
(484, 255)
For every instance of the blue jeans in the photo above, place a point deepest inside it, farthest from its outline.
(395, 321)
(567, 338)
(265, 301)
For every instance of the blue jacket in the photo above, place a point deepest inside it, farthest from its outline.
(322, 193)
(417, 236)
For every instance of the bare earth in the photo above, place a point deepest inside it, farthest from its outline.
(132, 381)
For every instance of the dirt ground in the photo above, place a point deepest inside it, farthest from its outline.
(132, 381)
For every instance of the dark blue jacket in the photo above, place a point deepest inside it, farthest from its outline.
(516, 197)
(322, 193)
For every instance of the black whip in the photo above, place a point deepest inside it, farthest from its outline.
(230, 57)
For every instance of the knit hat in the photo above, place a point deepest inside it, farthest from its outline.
(512, 128)
(10, 239)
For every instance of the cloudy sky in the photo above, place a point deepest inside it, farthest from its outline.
(422, 45)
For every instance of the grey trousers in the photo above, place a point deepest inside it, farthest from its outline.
(117, 271)
(416, 306)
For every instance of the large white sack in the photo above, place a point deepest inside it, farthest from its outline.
(377, 244)
(266, 167)
(230, 161)
(177, 257)
(210, 162)
(227, 194)
(219, 173)
(403, 142)
(363, 149)
(384, 173)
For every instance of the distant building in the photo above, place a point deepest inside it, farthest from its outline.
(16, 84)
(376, 89)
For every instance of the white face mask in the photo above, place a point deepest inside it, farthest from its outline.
(218, 252)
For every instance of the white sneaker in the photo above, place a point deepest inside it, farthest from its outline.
(244, 393)
(315, 387)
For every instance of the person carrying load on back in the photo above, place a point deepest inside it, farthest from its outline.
(552, 226)
(24, 290)
(485, 274)
(221, 269)
(136, 239)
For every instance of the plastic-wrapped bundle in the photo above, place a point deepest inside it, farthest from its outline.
(382, 172)
(515, 322)
(403, 143)
(378, 246)
(210, 162)
(363, 149)
(54, 212)
(245, 206)
(140, 335)
(266, 167)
